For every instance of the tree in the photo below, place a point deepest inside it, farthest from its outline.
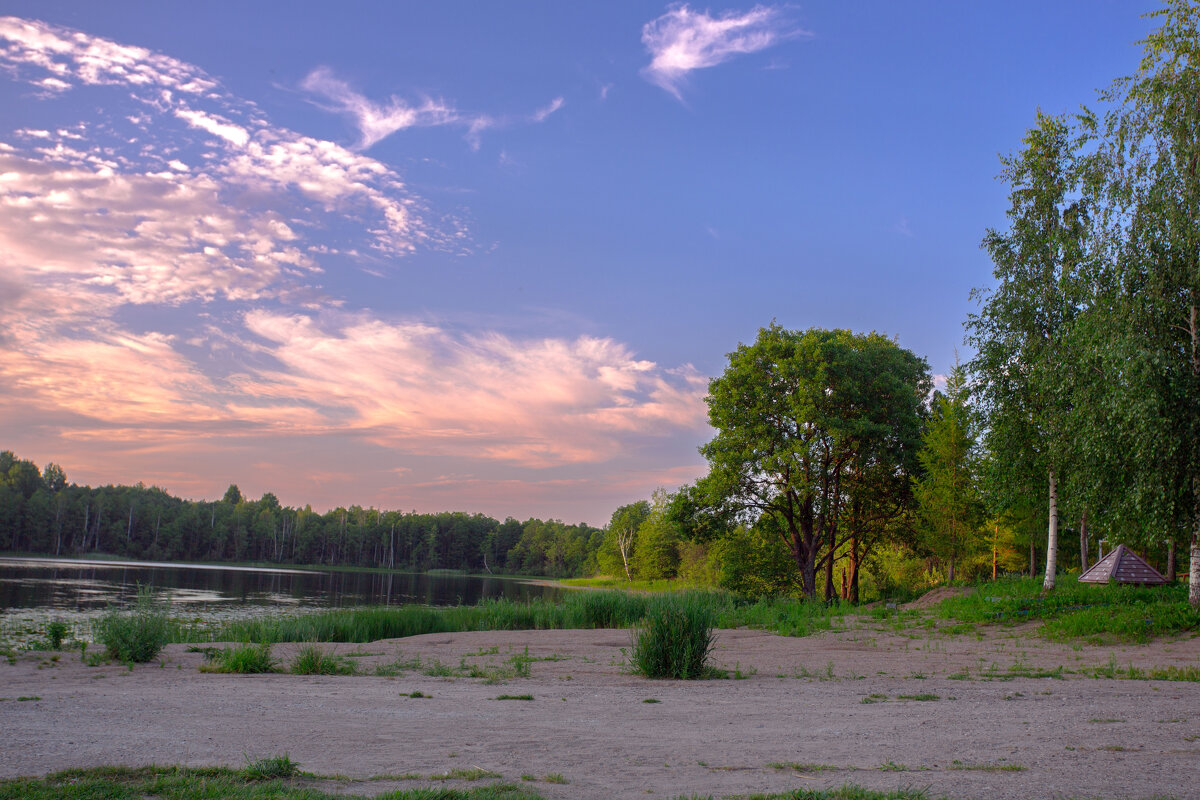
(657, 554)
(950, 508)
(795, 412)
(618, 548)
(1020, 335)
(1151, 171)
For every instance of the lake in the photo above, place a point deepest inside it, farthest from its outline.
(79, 587)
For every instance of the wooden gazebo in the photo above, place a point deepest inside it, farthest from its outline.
(1123, 566)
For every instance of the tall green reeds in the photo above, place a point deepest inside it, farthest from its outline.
(137, 635)
(675, 638)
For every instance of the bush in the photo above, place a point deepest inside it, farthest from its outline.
(246, 659)
(676, 638)
(135, 636)
(56, 631)
(312, 660)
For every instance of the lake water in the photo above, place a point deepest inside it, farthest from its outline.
(64, 585)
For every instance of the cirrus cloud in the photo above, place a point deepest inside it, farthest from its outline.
(682, 40)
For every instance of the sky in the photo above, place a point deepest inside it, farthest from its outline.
(484, 257)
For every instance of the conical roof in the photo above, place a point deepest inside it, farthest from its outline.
(1123, 566)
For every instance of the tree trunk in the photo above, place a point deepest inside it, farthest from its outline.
(853, 594)
(950, 572)
(995, 545)
(1032, 559)
(1052, 536)
(1172, 566)
(1083, 543)
(624, 540)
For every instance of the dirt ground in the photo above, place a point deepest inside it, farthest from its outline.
(834, 703)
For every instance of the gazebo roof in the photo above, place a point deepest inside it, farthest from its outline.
(1123, 566)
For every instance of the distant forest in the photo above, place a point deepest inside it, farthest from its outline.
(40, 512)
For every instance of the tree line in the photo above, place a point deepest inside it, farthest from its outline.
(41, 512)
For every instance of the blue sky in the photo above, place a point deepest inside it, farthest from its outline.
(484, 256)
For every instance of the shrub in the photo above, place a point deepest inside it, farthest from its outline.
(676, 638)
(56, 631)
(312, 660)
(135, 636)
(245, 659)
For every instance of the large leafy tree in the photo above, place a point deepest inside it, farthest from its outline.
(1147, 329)
(798, 414)
(1021, 334)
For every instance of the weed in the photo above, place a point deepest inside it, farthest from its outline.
(416, 694)
(246, 659)
(137, 636)
(514, 697)
(892, 766)
(270, 768)
(312, 660)
(796, 766)
(27, 698)
(555, 777)
(923, 696)
(56, 631)
(675, 639)
(473, 774)
(652, 700)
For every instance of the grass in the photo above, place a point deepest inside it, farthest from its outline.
(514, 697)
(136, 636)
(312, 660)
(259, 780)
(675, 639)
(247, 659)
(1078, 610)
(959, 765)
(270, 768)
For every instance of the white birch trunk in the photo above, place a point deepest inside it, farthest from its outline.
(1052, 536)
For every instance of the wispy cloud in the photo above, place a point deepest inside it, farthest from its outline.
(682, 40)
(375, 121)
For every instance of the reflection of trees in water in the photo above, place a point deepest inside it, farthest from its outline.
(90, 585)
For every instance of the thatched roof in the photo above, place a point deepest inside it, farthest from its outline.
(1123, 566)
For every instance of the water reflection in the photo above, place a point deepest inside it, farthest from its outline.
(67, 585)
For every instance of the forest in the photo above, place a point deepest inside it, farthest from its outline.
(837, 470)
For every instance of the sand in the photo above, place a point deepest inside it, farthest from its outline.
(801, 701)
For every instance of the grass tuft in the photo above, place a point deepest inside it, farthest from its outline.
(312, 660)
(247, 659)
(136, 636)
(675, 639)
(270, 768)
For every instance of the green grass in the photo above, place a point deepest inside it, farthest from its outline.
(255, 782)
(313, 660)
(514, 697)
(675, 639)
(246, 659)
(135, 636)
(1077, 610)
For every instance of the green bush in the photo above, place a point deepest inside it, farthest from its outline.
(56, 631)
(246, 659)
(675, 638)
(312, 660)
(134, 636)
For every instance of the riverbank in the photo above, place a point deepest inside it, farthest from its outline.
(1000, 713)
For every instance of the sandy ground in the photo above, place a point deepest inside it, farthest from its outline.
(802, 701)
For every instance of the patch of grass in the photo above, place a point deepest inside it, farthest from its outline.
(675, 639)
(416, 694)
(514, 697)
(249, 659)
(398, 667)
(892, 766)
(182, 783)
(923, 696)
(472, 774)
(270, 768)
(1078, 611)
(554, 777)
(1190, 674)
(313, 660)
(652, 700)
(135, 636)
(28, 698)
(874, 697)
